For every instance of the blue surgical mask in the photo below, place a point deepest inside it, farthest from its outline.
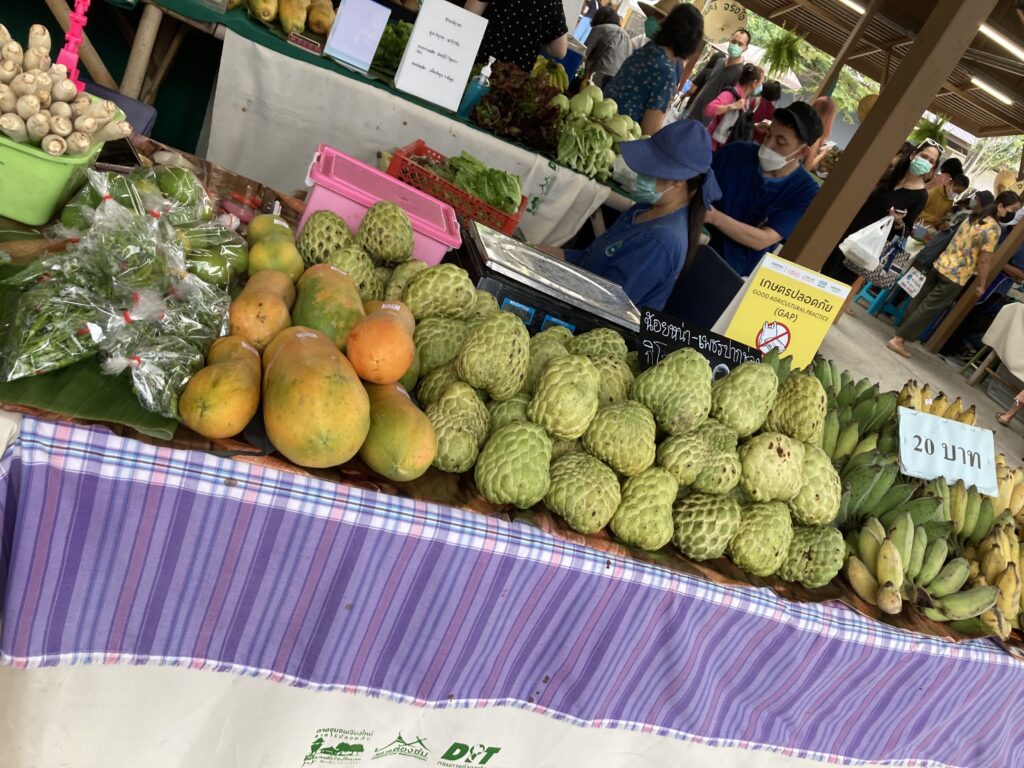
(757, 91)
(919, 166)
(651, 26)
(645, 190)
(735, 50)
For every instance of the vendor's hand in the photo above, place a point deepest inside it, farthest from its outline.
(710, 216)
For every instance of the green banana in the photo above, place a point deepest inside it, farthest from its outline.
(846, 442)
(950, 578)
(868, 544)
(885, 409)
(921, 511)
(844, 508)
(845, 396)
(867, 443)
(943, 494)
(917, 553)
(771, 359)
(862, 580)
(885, 482)
(889, 567)
(823, 372)
(983, 524)
(863, 414)
(902, 535)
(958, 505)
(969, 603)
(889, 442)
(830, 432)
(897, 495)
(934, 557)
(859, 461)
(971, 514)
(861, 389)
(785, 366)
(837, 377)
(860, 481)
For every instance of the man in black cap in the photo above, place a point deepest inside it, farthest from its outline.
(765, 189)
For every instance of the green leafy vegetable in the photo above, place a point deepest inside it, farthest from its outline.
(497, 188)
(392, 46)
(520, 107)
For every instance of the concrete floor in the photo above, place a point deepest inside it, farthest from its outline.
(857, 343)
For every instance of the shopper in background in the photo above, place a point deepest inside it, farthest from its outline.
(648, 247)
(726, 72)
(969, 252)
(826, 109)
(900, 193)
(950, 168)
(771, 92)
(648, 79)
(725, 109)
(940, 201)
(765, 190)
(607, 46)
(701, 78)
(517, 30)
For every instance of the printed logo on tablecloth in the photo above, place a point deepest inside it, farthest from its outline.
(400, 747)
(337, 746)
(459, 754)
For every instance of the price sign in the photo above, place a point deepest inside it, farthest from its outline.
(931, 447)
(661, 334)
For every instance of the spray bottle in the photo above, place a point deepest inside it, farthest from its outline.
(479, 86)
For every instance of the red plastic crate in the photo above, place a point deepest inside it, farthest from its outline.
(403, 166)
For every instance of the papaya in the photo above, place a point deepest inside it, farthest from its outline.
(321, 17)
(315, 409)
(267, 224)
(290, 333)
(220, 399)
(276, 253)
(272, 281)
(401, 444)
(400, 310)
(412, 376)
(258, 316)
(380, 348)
(328, 300)
(265, 11)
(291, 15)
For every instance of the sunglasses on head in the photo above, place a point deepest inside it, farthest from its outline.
(929, 143)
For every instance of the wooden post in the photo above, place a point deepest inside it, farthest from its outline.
(888, 67)
(948, 32)
(1020, 168)
(142, 51)
(826, 86)
(969, 297)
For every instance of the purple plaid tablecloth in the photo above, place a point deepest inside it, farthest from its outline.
(114, 551)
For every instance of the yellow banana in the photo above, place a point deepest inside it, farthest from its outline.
(927, 395)
(889, 567)
(861, 579)
(868, 544)
(939, 405)
(907, 394)
(889, 598)
(993, 563)
(1008, 585)
(1004, 477)
(969, 417)
(958, 496)
(996, 622)
(954, 410)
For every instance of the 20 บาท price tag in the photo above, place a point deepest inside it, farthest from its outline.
(931, 447)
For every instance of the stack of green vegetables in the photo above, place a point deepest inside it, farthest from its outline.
(591, 131)
(391, 47)
(496, 188)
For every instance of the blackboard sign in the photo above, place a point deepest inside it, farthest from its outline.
(661, 334)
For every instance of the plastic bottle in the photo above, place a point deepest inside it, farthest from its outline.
(479, 86)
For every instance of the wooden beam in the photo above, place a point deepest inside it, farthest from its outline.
(948, 32)
(967, 95)
(887, 67)
(969, 297)
(879, 47)
(827, 84)
(786, 9)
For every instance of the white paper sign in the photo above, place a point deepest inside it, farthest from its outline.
(356, 33)
(931, 447)
(439, 58)
(912, 281)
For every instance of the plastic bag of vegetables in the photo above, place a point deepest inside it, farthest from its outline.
(197, 312)
(213, 253)
(138, 192)
(186, 198)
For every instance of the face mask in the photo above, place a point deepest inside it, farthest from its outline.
(951, 195)
(734, 51)
(651, 26)
(919, 166)
(1007, 217)
(757, 91)
(771, 160)
(645, 190)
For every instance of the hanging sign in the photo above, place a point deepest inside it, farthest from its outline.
(786, 307)
(439, 58)
(661, 334)
(931, 446)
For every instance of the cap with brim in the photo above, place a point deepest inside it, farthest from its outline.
(681, 150)
(803, 116)
(660, 9)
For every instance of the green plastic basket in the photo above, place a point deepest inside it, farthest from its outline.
(34, 185)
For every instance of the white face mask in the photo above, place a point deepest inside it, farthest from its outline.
(951, 195)
(771, 160)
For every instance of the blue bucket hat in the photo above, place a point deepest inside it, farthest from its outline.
(679, 151)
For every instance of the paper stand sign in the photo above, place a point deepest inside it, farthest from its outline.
(783, 306)
(439, 58)
(661, 334)
(356, 33)
(932, 447)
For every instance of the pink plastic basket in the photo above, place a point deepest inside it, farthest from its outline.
(348, 187)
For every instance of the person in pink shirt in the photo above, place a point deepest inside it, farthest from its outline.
(724, 110)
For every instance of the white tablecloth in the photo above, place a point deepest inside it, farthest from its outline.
(271, 112)
(1006, 337)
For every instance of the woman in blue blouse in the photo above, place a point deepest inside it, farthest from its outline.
(648, 79)
(646, 249)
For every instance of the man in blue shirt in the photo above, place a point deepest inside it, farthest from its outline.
(765, 190)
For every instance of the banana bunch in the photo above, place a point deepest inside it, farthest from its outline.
(871, 490)
(937, 404)
(550, 72)
(994, 565)
(781, 365)
(865, 426)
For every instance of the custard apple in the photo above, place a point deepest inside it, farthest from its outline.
(386, 233)
(495, 355)
(484, 305)
(384, 277)
(800, 408)
(762, 541)
(677, 390)
(561, 447)
(704, 525)
(441, 291)
(324, 233)
(633, 362)
(720, 473)
(584, 492)
(816, 555)
(460, 424)
(684, 456)
(644, 516)
(558, 333)
(508, 411)
(401, 276)
(600, 342)
(616, 379)
(743, 399)
(622, 436)
(821, 491)
(772, 467)
(718, 437)
(565, 401)
(542, 352)
(353, 260)
(438, 340)
(514, 465)
(434, 384)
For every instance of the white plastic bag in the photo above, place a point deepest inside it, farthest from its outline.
(864, 247)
